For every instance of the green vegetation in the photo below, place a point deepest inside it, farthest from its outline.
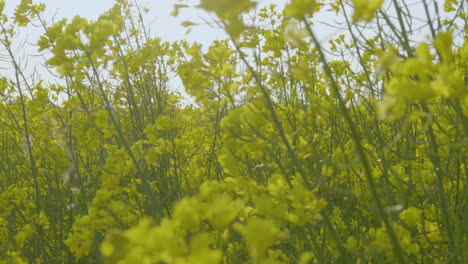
(294, 150)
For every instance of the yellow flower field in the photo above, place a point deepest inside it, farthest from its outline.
(283, 147)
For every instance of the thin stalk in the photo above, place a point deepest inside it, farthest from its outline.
(276, 122)
(444, 204)
(396, 247)
(157, 212)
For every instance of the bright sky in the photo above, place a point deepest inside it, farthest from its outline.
(159, 20)
(162, 24)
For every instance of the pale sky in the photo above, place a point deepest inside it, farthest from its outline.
(158, 19)
(165, 26)
(162, 24)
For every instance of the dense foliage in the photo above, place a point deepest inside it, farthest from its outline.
(289, 150)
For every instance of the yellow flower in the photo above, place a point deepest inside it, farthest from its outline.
(411, 216)
(365, 9)
(260, 234)
(300, 8)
